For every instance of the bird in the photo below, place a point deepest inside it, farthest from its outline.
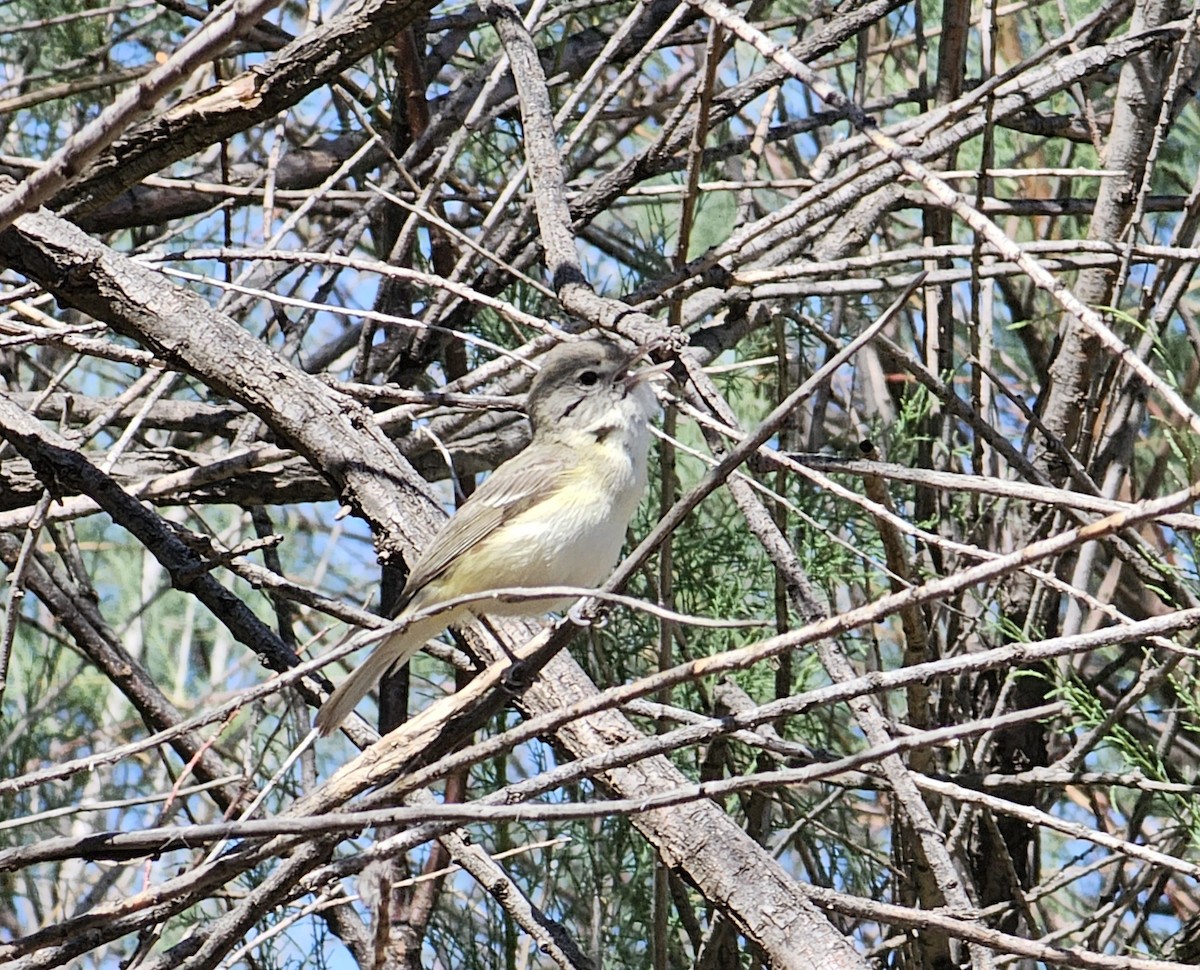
(556, 513)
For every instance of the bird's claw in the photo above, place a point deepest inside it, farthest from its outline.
(597, 618)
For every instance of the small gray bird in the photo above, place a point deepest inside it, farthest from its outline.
(553, 515)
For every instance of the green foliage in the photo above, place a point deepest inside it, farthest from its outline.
(1122, 750)
(715, 218)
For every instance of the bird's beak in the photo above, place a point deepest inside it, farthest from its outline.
(654, 372)
(632, 377)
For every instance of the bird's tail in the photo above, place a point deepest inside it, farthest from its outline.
(395, 651)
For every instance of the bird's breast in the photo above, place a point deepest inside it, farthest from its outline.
(574, 535)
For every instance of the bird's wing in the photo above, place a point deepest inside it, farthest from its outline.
(511, 489)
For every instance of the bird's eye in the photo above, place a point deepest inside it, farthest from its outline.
(588, 378)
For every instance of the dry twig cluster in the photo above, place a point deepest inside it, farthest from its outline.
(260, 268)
